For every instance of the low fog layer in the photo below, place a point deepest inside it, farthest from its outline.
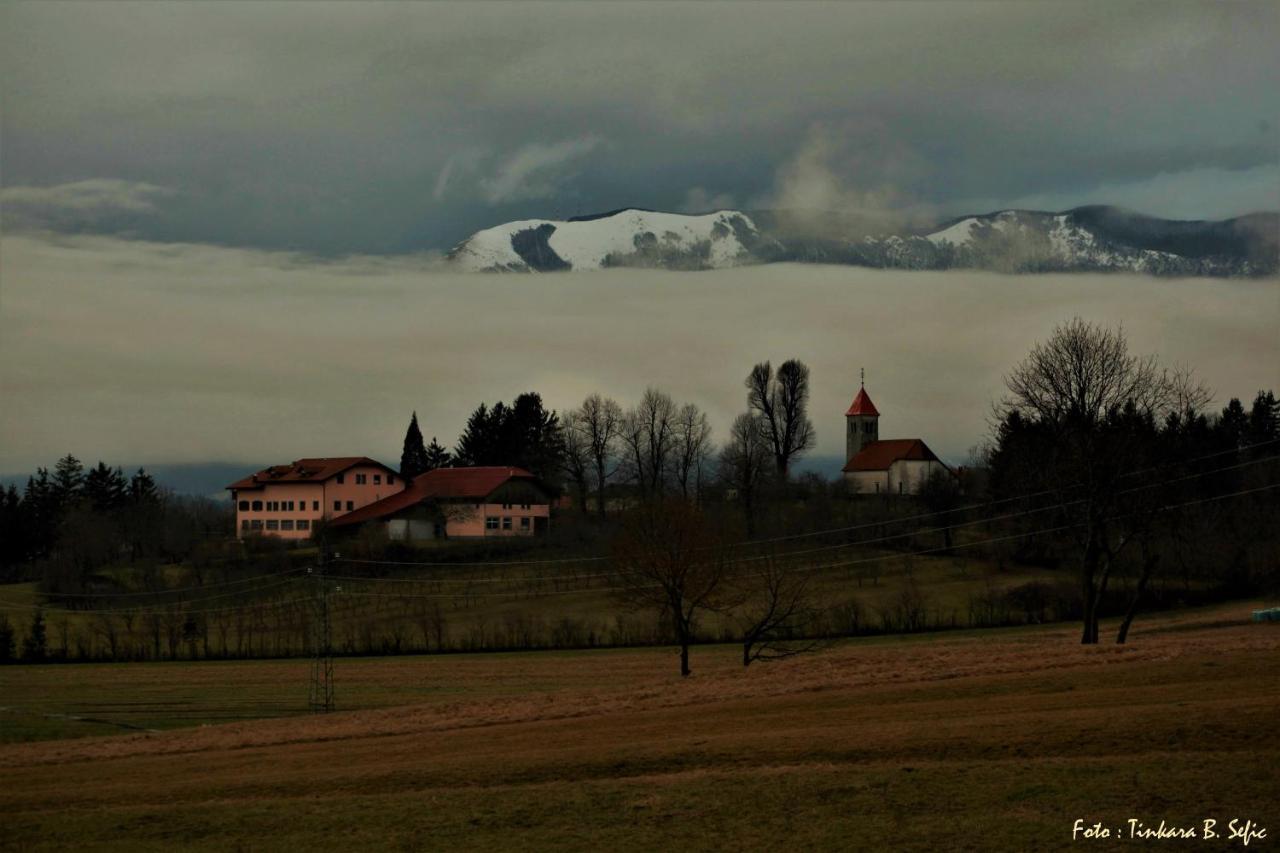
(139, 352)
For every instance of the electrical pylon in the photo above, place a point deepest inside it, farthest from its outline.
(321, 698)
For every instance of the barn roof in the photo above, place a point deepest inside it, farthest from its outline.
(862, 405)
(879, 455)
(472, 484)
(310, 470)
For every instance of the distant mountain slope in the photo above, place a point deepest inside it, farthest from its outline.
(629, 237)
(1095, 238)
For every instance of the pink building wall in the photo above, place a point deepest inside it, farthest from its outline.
(469, 520)
(312, 501)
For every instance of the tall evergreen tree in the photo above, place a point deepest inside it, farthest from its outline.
(142, 488)
(523, 434)
(106, 488)
(1264, 418)
(475, 445)
(413, 458)
(68, 481)
(437, 456)
(1234, 422)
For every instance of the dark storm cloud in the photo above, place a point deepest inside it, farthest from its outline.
(386, 128)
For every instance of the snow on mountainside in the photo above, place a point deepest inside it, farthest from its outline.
(1094, 239)
(623, 238)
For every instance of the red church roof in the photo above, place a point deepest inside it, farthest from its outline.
(313, 470)
(470, 484)
(879, 455)
(862, 405)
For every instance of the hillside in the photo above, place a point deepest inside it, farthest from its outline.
(993, 740)
(1084, 239)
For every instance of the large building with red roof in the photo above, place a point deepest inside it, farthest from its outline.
(288, 500)
(898, 466)
(460, 503)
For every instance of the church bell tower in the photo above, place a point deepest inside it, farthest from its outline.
(862, 422)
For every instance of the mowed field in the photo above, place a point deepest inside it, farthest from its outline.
(955, 741)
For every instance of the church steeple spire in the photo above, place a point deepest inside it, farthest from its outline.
(862, 421)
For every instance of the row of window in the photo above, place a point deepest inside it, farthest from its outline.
(491, 522)
(363, 479)
(288, 506)
(522, 506)
(277, 506)
(275, 524)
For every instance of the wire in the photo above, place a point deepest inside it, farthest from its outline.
(174, 590)
(13, 605)
(844, 564)
(823, 548)
(816, 533)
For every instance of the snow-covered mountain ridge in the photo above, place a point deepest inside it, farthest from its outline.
(1095, 238)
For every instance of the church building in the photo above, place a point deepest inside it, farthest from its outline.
(896, 466)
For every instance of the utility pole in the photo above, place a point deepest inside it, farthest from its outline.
(321, 698)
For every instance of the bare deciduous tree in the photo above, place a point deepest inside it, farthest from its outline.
(781, 401)
(668, 557)
(775, 610)
(648, 436)
(692, 446)
(599, 423)
(1091, 407)
(744, 464)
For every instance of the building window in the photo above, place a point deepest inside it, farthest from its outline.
(257, 506)
(256, 524)
(304, 524)
(351, 505)
(290, 506)
(244, 506)
(377, 479)
(286, 524)
(506, 506)
(524, 506)
(490, 522)
(272, 524)
(244, 524)
(524, 523)
(342, 478)
(391, 480)
(337, 506)
(315, 505)
(506, 522)
(360, 479)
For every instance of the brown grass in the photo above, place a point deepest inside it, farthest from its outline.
(984, 741)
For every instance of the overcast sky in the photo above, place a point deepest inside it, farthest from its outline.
(220, 220)
(402, 127)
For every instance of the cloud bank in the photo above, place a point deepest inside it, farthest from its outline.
(154, 353)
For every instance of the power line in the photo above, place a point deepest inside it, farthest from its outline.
(820, 549)
(844, 564)
(861, 526)
(174, 590)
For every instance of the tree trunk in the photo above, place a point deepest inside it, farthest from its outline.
(1089, 635)
(1148, 567)
(684, 658)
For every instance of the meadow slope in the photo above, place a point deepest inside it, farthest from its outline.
(982, 740)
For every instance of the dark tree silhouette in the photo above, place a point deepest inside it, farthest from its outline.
(781, 401)
(413, 458)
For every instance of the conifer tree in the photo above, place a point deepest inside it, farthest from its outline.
(142, 488)
(68, 481)
(413, 458)
(437, 456)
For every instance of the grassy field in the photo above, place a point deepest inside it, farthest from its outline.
(449, 611)
(956, 741)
